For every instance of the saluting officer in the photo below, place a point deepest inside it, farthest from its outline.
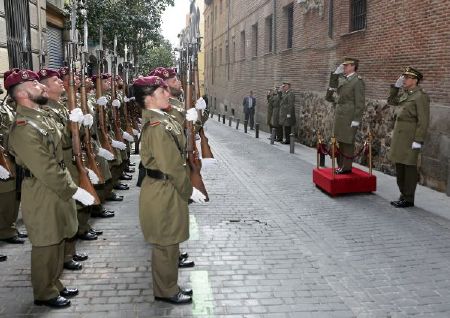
(48, 191)
(412, 116)
(350, 103)
(165, 190)
(287, 111)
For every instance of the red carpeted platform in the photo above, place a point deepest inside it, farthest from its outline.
(358, 181)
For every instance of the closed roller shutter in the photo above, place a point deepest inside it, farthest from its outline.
(55, 48)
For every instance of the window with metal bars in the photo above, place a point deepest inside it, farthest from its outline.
(357, 15)
(290, 25)
(255, 39)
(18, 33)
(269, 33)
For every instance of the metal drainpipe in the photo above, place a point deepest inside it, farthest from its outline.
(274, 29)
(40, 33)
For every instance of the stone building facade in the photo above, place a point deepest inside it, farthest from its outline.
(258, 44)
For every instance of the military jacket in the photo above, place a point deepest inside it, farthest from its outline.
(48, 209)
(287, 109)
(349, 106)
(412, 116)
(177, 109)
(163, 204)
(6, 120)
(275, 102)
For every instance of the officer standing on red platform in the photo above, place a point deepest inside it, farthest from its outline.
(412, 116)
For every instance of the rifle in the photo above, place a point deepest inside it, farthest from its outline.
(115, 110)
(204, 145)
(104, 138)
(84, 180)
(91, 163)
(128, 125)
(6, 163)
(194, 163)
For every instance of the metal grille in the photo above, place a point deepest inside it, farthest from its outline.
(358, 15)
(290, 25)
(269, 33)
(55, 48)
(18, 33)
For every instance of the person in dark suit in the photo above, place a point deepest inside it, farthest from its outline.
(249, 104)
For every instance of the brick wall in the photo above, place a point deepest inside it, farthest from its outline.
(397, 33)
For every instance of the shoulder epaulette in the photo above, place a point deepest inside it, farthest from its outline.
(359, 77)
(21, 122)
(155, 123)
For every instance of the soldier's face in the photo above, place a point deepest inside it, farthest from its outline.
(106, 85)
(174, 86)
(409, 82)
(349, 69)
(55, 86)
(36, 92)
(159, 99)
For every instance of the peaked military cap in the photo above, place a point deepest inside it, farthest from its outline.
(412, 72)
(349, 60)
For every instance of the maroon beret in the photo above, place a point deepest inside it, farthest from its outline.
(20, 77)
(47, 73)
(9, 72)
(150, 81)
(164, 73)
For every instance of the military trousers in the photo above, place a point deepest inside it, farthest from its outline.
(287, 132)
(83, 215)
(70, 248)
(407, 178)
(9, 210)
(165, 270)
(46, 268)
(344, 158)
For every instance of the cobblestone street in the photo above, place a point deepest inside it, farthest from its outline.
(268, 244)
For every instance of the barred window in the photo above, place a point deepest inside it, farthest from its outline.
(358, 15)
(290, 25)
(255, 39)
(243, 45)
(269, 33)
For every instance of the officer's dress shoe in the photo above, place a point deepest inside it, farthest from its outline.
(342, 171)
(185, 263)
(103, 213)
(87, 236)
(402, 204)
(57, 302)
(129, 170)
(121, 186)
(96, 231)
(73, 265)
(22, 234)
(68, 292)
(177, 299)
(183, 255)
(80, 257)
(186, 291)
(114, 197)
(14, 240)
(285, 142)
(3, 258)
(125, 176)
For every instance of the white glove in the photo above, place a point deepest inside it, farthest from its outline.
(339, 69)
(118, 144)
(191, 114)
(127, 136)
(92, 176)
(116, 103)
(102, 101)
(208, 162)
(126, 99)
(416, 145)
(140, 120)
(399, 82)
(197, 196)
(102, 152)
(84, 197)
(88, 120)
(76, 115)
(4, 174)
(354, 124)
(135, 132)
(200, 104)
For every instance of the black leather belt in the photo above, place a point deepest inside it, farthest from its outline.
(157, 174)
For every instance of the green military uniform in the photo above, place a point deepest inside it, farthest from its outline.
(412, 118)
(269, 111)
(176, 109)
(275, 119)
(163, 204)
(9, 207)
(349, 106)
(287, 113)
(49, 212)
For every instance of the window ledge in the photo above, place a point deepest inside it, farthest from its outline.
(267, 54)
(354, 32)
(287, 50)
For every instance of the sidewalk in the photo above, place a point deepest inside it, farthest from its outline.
(426, 199)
